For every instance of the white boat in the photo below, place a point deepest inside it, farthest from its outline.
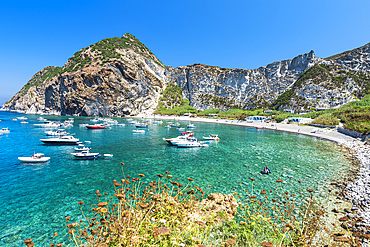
(191, 126)
(167, 127)
(212, 137)
(133, 122)
(182, 137)
(42, 119)
(67, 140)
(86, 155)
(157, 122)
(107, 156)
(58, 132)
(83, 149)
(24, 122)
(121, 124)
(83, 125)
(141, 125)
(180, 129)
(49, 124)
(94, 120)
(190, 143)
(175, 124)
(4, 131)
(35, 158)
(14, 119)
(22, 118)
(138, 131)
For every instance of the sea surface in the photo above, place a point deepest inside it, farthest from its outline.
(36, 198)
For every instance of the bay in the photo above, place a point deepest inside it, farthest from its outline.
(35, 199)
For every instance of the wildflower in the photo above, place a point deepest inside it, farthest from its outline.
(81, 202)
(182, 244)
(152, 219)
(97, 192)
(190, 179)
(279, 180)
(160, 175)
(102, 204)
(162, 221)
(252, 179)
(141, 175)
(310, 190)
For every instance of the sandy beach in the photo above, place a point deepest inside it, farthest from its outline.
(327, 134)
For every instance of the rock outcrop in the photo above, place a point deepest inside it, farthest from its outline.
(113, 77)
(120, 76)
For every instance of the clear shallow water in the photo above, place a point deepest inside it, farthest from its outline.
(35, 199)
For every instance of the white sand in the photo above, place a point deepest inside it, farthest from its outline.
(327, 134)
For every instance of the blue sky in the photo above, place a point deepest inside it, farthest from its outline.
(231, 34)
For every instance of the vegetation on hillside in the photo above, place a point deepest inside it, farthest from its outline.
(106, 50)
(40, 78)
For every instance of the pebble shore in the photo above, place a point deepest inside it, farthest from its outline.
(358, 190)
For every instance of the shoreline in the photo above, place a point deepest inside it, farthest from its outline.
(356, 187)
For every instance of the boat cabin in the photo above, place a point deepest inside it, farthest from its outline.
(256, 119)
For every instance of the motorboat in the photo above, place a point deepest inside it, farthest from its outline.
(191, 126)
(24, 122)
(141, 125)
(212, 137)
(14, 119)
(180, 128)
(167, 127)
(22, 118)
(175, 124)
(108, 156)
(190, 143)
(157, 122)
(86, 155)
(96, 126)
(49, 124)
(62, 140)
(42, 119)
(58, 132)
(183, 136)
(82, 149)
(133, 122)
(121, 124)
(138, 131)
(35, 158)
(94, 120)
(4, 131)
(83, 125)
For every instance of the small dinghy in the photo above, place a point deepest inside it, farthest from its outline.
(108, 156)
(35, 158)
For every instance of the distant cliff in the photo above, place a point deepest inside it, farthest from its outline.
(120, 76)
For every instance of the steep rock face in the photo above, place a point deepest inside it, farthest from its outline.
(209, 86)
(338, 80)
(113, 77)
(357, 59)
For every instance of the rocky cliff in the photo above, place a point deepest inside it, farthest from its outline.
(337, 80)
(120, 76)
(114, 77)
(209, 87)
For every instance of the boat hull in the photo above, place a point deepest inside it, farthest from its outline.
(34, 160)
(95, 127)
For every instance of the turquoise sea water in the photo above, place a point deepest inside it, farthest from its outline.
(36, 198)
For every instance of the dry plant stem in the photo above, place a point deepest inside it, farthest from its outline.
(137, 229)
